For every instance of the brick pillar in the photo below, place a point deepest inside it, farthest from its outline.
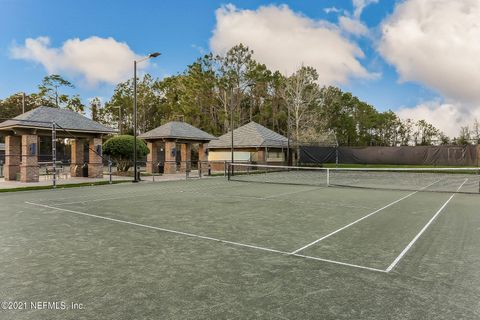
(152, 157)
(170, 161)
(78, 158)
(29, 166)
(12, 157)
(186, 156)
(95, 165)
(202, 156)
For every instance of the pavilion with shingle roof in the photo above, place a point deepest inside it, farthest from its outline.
(22, 137)
(164, 142)
(252, 143)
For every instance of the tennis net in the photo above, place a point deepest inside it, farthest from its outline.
(451, 180)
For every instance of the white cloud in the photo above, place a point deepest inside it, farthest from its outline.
(353, 26)
(359, 5)
(284, 40)
(448, 117)
(436, 43)
(95, 59)
(331, 10)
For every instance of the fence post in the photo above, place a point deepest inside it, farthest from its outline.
(110, 170)
(54, 154)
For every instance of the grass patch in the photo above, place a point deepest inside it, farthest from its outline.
(62, 186)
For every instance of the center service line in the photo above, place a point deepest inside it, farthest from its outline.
(400, 256)
(358, 220)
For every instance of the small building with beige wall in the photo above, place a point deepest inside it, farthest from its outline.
(252, 143)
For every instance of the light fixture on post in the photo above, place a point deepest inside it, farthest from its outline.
(151, 55)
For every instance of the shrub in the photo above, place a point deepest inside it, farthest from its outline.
(120, 149)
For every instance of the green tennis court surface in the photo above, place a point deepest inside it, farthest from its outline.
(217, 249)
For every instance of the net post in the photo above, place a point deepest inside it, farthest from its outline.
(328, 177)
(54, 154)
(228, 170)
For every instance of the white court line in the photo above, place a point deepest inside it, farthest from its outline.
(400, 256)
(154, 228)
(204, 237)
(338, 262)
(358, 220)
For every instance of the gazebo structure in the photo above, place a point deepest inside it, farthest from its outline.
(165, 141)
(252, 143)
(22, 138)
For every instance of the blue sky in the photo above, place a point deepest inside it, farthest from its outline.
(182, 29)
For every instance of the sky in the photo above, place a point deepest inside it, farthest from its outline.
(419, 58)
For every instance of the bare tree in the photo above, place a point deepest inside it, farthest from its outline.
(476, 131)
(300, 94)
(464, 136)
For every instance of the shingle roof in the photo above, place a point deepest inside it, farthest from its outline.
(177, 130)
(42, 117)
(250, 135)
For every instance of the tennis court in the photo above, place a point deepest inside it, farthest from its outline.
(212, 248)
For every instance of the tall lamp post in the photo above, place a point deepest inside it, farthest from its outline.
(151, 55)
(231, 128)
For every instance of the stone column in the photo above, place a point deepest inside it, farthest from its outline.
(170, 161)
(12, 157)
(152, 157)
(78, 158)
(186, 156)
(29, 166)
(95, 165)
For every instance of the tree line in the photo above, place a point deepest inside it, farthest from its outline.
(215, 89)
